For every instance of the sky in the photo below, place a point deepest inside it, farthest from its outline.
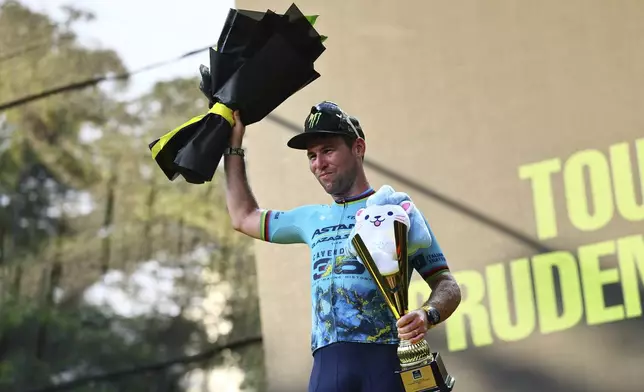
(149, 31)
(145, 32)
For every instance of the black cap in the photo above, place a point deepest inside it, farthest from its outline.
(326, 118)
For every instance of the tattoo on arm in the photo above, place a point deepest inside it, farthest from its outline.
(445, 295)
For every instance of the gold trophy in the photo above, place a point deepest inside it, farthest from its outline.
(421, 369)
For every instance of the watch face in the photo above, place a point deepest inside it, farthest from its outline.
(432, 316)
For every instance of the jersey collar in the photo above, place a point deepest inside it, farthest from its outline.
(359, 197)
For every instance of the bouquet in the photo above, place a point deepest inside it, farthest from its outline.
(261, 59)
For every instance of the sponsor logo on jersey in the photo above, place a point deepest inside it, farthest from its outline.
(331, 229)
(344, 265)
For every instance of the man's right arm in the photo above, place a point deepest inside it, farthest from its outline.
(243, 209)
(282, 227)
(245, 214)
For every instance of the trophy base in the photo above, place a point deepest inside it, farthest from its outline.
(429, 376)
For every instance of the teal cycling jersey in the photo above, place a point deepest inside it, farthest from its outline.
(346, 305)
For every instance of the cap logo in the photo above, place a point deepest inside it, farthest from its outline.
(313, 119)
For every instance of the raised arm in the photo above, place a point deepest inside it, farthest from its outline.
(245, 214)
(276, 226)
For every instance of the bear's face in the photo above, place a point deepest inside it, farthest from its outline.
(381, 216)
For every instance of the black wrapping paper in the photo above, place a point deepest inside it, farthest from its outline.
(261, 59)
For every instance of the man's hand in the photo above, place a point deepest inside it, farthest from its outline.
(239, 129)
(413, 326)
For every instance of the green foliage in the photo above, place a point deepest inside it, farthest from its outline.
(105, 265)
(49, 128)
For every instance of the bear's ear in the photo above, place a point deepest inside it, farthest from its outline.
(360, 211)
(407, 206)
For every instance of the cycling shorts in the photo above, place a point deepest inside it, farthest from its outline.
(356, 367)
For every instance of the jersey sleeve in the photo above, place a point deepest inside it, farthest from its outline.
(285, 227)
(429, 261)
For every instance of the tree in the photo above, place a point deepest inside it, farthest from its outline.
(91, 229)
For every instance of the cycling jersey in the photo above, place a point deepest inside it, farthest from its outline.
(346, 305)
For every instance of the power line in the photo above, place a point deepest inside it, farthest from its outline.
(147, 368)
(32, 47)
(93, 81)
(22, 51)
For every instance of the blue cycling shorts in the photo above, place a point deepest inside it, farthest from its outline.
(356, 367)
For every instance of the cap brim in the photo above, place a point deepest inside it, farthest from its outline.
(301, 141)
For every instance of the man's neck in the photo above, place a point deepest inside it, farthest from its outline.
(355, 191)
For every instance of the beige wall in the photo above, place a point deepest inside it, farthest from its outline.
(459, 96)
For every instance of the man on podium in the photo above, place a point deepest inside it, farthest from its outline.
(353, 340)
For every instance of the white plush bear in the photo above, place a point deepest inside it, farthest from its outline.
(375, 224)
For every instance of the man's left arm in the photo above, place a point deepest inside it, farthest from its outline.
(431, 264)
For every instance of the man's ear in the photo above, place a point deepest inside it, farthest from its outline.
(360, 147)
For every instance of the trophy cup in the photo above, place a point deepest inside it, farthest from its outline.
(421, 369)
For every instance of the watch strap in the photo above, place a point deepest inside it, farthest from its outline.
(234, 151)
(433, 315)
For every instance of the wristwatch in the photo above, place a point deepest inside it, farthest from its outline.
(234, 151)
(433, 316)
